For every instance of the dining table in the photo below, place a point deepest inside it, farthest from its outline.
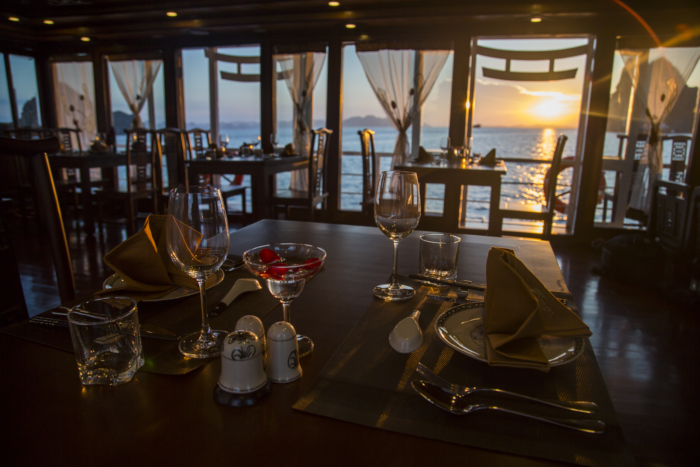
(454, 174)
(353, 405)
(84, 161)
(262, 171)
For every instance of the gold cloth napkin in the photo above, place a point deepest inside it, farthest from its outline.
(144, 264)
(519, 310)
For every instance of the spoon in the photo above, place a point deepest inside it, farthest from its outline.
(407, 335)
(241, 286)
(458, 405)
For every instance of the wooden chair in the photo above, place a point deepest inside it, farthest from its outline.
(318, 180)
(198, 144)
(142, 185)
(174, 148)
(369, 175)
(544, 212)
(35, 152)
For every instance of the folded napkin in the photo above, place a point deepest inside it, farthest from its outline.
(288, 151)
(144, 264)
(489, 159)
(424, 157)
(519, 310)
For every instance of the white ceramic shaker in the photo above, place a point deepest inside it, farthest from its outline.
(242, 369)
(253, 324)
(282, 353)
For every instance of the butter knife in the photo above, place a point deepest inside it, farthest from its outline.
(463, 284)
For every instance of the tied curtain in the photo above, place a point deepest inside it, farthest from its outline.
(301, 73)
(668, 71)
(135, 80)
(75, 99)
(400, 88)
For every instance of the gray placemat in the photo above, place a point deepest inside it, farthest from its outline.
(182, 316)
(368, 383)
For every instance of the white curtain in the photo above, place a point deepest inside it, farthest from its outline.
(75, 99)
(400, 89)
(135, 80)
(667, 73)
(301, 73)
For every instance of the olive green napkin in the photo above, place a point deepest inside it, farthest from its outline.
(519, 310)
(144, 264)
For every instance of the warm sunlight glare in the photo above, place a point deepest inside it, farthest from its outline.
(549, 108)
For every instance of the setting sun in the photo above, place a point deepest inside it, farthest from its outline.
(549, 109)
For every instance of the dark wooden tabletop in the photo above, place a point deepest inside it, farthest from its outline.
(50, 418)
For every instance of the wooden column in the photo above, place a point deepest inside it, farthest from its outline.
(692, 176)
(103, 104)
(213, 94)
(596, 124)
(334, 121)
(460, 90)
(45, 85)
(418, 114)
(11, 91)
(174, 89)
(268, 97)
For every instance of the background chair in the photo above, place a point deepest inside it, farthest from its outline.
(198, 144)
(174, 149)
(369, 175)
(544, 212)
(140, 185)
(318, 180)
(13, 306)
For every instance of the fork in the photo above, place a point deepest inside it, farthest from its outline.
(574, 406)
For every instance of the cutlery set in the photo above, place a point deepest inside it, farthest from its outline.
(453, 398)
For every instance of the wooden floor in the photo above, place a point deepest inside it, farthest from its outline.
(647, 345)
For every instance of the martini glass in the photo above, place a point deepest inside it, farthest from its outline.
(286, 267)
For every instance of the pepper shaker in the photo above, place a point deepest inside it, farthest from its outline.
(253, 324)
(241, 363)
(282, 353)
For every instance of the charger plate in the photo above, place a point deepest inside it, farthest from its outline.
(462, 328)
(115, 280)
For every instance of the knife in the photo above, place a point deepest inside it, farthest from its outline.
(147, 330)
(463, 284)
(239, 287)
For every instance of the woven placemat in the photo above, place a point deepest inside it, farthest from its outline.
(182, 316)
(368, 383)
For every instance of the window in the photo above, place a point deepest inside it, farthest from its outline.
(26, 91)
(5, 106)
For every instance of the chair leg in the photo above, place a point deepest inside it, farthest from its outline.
(131, 221)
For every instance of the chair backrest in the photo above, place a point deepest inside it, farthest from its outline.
(66, 137)
(692, 236)
(369, 159)
(143, 159)
(30, 133)
(199, 142)
(174, 146)
(36, 151)
(669, 214)
(318, 163)
(551, 188)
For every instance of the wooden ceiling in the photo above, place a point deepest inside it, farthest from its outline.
(107, 22)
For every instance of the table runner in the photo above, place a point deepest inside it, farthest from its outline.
(368, 383)
(181, 316)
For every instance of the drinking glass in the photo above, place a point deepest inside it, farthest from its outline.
(198, 241)
(286, 267)
(106, 340)
(223, 140)
(397, 212)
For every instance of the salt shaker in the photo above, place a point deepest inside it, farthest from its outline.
(253, 324)
(283, 353)
(241, 363)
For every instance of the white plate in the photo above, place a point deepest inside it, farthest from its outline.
(116, 281)
(462, 328)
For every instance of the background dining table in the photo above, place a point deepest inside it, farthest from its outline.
(173, 419)
(262, 171)
(453, 174)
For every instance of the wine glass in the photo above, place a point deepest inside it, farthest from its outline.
(198, 241)
(273, 142)
(286, 267)
(223, 141)
(255, 140)
(397, 212)
(445, 143)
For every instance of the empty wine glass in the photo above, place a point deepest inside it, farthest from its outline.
(255, 140)
(198, 241)
(397, 212)
(286, 267)
(273, 142)
(223, 140)
(445, 143)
